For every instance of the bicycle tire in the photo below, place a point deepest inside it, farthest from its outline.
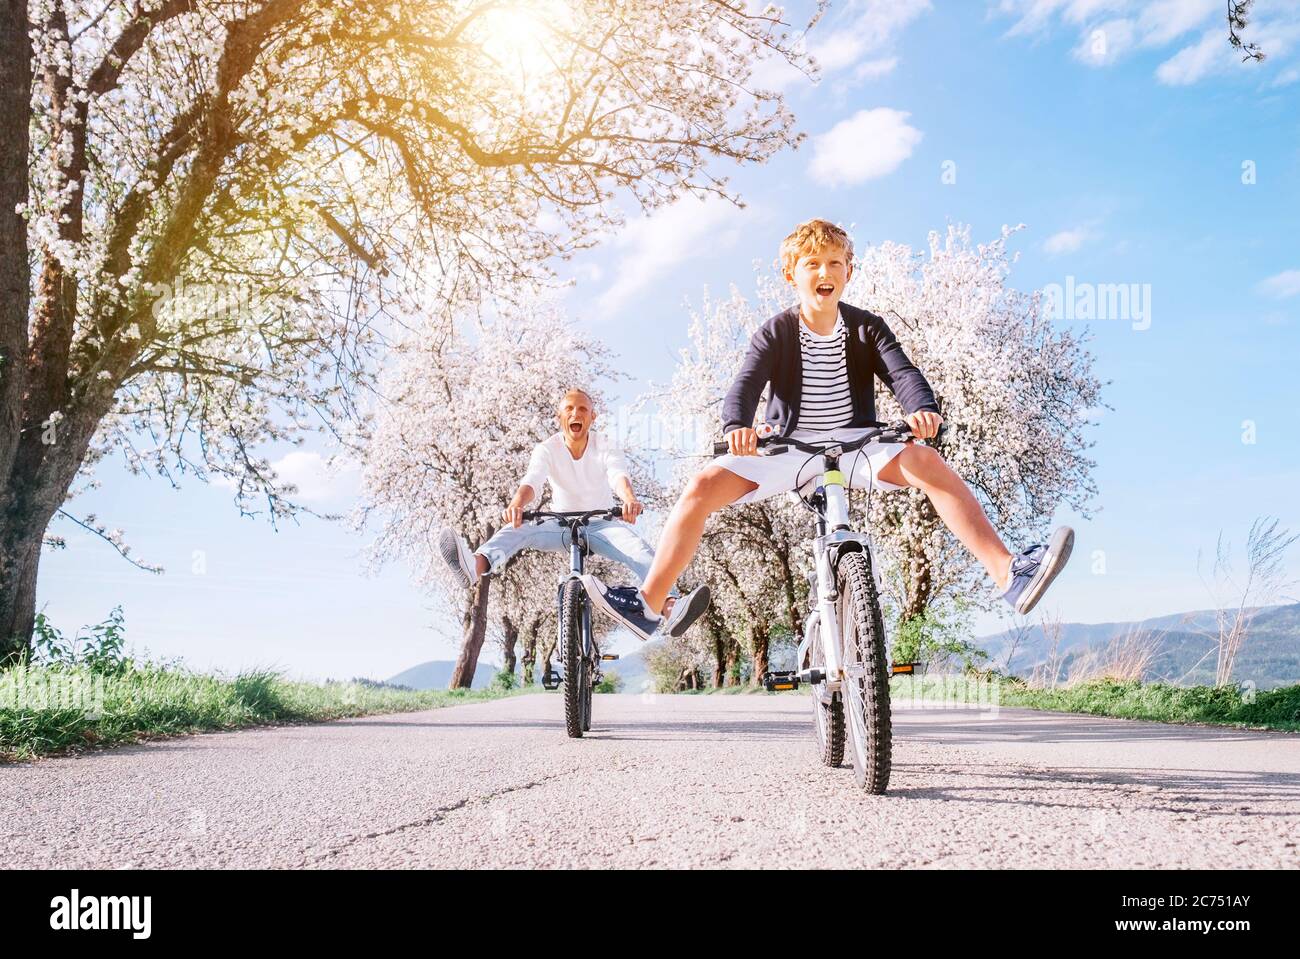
(828, 718)
(575, 672)
(866, 680)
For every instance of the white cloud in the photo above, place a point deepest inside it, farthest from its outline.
(871, 69)
(1110, 30)
(652, 245)
(862, 38)
(1034, 16)
(1067, 241)
(1193, 62)
(1164, 21)
(1212, 54)
(869, 144)
(1286, 78)
(317, 482)
(1281, 286)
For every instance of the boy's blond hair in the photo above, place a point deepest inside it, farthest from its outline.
(812, 236)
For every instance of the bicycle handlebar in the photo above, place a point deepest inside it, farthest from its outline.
(581, 516)
(880, 432)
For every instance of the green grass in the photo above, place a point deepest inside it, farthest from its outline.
(50, 710)
(1277, 709)
(1156, 702)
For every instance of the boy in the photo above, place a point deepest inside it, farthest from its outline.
(820, 357)
(582, 467)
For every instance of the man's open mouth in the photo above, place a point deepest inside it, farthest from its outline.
(575, 428)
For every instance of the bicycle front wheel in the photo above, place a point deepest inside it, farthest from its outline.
(866, 675)
(575, 664)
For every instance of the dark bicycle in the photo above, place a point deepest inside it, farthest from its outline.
(579, 655)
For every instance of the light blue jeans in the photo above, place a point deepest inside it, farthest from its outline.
(613, 539)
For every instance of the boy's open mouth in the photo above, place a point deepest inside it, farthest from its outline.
(825, 289)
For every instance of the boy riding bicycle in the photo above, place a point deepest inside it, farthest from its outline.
(582, 468)
(820, 358)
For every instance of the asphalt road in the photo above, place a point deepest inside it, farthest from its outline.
(664, 781)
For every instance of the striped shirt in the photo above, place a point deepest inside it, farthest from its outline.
(826, 403)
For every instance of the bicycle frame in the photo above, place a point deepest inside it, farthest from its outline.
(834, 537)
(576, 525)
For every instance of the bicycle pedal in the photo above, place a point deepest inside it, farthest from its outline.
(608, 657)
(552, 680)
(900, 669)
(778, 681)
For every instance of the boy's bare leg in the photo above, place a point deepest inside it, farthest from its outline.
(924, 468)
(710, 490)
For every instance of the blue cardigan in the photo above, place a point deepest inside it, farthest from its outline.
(774, 357)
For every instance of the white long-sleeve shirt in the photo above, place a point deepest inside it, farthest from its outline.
(581, 484)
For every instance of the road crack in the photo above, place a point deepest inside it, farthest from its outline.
(437, 816)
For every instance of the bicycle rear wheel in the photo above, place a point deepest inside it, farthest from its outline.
(828, 716)
(575, 665)
(866, 675)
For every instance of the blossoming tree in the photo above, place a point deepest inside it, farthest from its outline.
(211, 211)
(460, 417)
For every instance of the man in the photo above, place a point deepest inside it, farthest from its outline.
(582, 468)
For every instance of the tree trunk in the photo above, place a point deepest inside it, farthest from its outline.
(530, 649)
(919, 579)
(758, 639)
(509, 638)
(462, 676)
(730, 677)
(18, 598)
(19, 555)
(15, 268)
(548, 648)
(530, 657)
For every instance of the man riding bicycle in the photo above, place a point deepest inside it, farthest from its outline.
(582, 468)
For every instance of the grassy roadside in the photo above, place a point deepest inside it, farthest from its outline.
(52, 710)
(1276, 709)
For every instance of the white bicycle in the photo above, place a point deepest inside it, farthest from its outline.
(842, 651)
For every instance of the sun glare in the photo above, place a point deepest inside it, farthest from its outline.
(518, 37)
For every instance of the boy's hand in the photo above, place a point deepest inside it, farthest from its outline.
(514, 515)
(743, 442)
(925, 425)
(631, 510)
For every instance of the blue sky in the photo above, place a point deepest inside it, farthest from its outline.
(1119, 132)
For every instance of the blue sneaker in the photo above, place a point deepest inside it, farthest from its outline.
(1033, 570)
(624, 604)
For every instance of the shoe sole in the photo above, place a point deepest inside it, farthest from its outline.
(1058, 553)
(682, 620)
(599, 601)
(450, 551)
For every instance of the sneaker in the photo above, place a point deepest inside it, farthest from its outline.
(456, 552)
(686, 611)
(623, 603)
(1033, 570)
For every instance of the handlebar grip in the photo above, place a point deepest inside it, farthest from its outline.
(720, 448)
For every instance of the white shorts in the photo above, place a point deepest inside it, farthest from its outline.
(795, 469)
